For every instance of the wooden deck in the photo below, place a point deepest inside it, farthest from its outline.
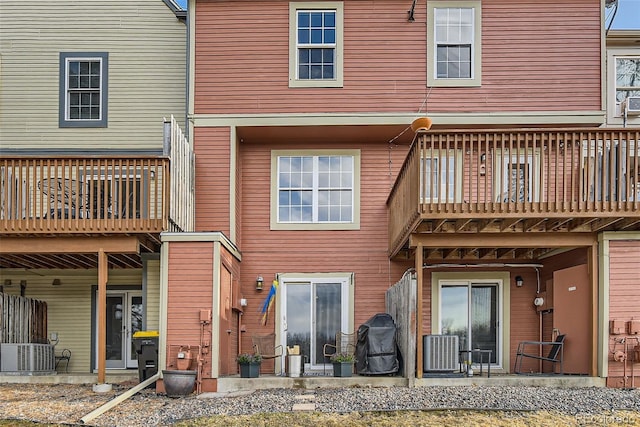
(80, 201)
(515, 181)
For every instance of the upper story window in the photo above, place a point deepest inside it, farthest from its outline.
(83, 89)
(453, 46)
(627, 77)
(315, 190)
(623, 81)
(315, 51)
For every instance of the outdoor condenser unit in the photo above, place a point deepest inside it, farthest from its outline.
(27, 359)
(440, 353)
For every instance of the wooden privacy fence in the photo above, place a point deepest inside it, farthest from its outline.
(400, 301)
(22, 320)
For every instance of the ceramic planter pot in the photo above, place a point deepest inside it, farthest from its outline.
(342, 369)
(179, 383)
(249, 370)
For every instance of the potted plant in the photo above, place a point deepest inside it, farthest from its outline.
(249, 365)
(343, 364)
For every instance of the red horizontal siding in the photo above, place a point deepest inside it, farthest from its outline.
(536, 55)
(362, 252)
(190, 289)
(624, 296)
(212, 147)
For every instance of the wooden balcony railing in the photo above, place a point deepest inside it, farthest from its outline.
(119, 194)
(468, 176)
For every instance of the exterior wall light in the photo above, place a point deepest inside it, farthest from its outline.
(259, 282)
(519, 281)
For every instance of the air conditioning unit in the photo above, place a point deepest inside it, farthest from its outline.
(27, 359)
(440, 353)
(632, 105)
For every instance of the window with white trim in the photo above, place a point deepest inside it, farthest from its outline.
(83, 89)
(318, 188)
(453, 46)
(442, 172)
(517, 176)
(315, 44)
(627, 77)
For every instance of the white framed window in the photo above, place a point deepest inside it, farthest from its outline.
(517, 177)
(315, 44)
(315, 189)
(453, 44)
(83, 89)
(627, 77)
(442, 176)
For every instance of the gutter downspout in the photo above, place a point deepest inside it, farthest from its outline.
(119, 399)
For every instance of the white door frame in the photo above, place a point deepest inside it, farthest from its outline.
(285, 280)
(129, 359)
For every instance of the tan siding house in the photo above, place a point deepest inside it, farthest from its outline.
(92, 97)
(145, 79)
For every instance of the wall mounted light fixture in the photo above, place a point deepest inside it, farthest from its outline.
(259, 282)
(519, 281)
(56, 282)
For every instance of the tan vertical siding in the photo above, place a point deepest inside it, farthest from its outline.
(624, 299)
(146, 77)
(536, 56)
(212, 179)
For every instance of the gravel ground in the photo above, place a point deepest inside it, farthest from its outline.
(67, 404)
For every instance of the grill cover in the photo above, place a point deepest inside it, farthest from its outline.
(376, 349)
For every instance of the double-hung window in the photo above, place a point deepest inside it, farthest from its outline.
(453, 45)
(315, 44)
(441, 172)
(627, 77)
(315, 190)
(83, 89)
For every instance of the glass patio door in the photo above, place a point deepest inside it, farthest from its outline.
(313, 311)
(124, 318)
(471, 311)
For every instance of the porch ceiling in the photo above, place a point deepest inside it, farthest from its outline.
(68, 261)
(322, 134)
(485, 247)
(64, 252)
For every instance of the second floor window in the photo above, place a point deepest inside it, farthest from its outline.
(315, 189)
(454, 43)
(83, 90)
(627, 77)
(315, 44)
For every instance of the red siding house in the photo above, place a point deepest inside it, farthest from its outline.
(514, 212)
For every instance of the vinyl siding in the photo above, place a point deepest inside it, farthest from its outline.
(536, 56)
(190, 289)
(153, 295)
(69, 305)
(146, 77)
(362, 252)
(624, 295)
(213, 158)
